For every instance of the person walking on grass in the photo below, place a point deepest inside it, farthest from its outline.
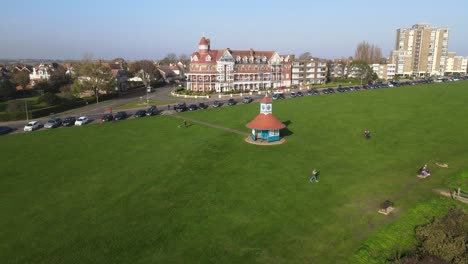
(314, 176)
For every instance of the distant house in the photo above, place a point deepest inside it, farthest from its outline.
(23, 68)
(3, 73)
(172, 72)
(41, 72)
(118, 72)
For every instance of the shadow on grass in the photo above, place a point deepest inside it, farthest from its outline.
(285, 132)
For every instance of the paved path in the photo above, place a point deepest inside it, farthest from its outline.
(211, 125)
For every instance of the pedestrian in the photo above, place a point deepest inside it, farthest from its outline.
(168, 107)
(315, 174)
(185, 123)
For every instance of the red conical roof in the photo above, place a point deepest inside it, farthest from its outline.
(266, 99)
(265, 122)
(203, 41)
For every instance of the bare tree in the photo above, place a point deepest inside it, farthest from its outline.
(305, 56)
(368, 53)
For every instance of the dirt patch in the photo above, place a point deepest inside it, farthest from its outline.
(442, 165)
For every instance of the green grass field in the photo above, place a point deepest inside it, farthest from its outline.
(146, 191)
(141, 104)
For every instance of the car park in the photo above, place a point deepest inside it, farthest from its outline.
(120, 115)
(247, 100)
(5, 130)
(152, 110)
(68, 121)
(180, 107)
(192, 107)
(231, 102)
(217, 104)
(53, 123)
(202, 106)
(107, 118)
(140, 113)
(82, 120)
(31, 126)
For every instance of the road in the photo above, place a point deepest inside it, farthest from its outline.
(95, 111)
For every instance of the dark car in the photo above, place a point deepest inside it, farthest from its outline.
(202, 106)
(292, 94)
(140, 113)
(217, 104)
(53, 123)
(180, 107)
(5, 130)
(192, 107)
(315, 92)
(231, 102)
(152, 110)
(300, 94)
(331, 90)
(107, 118)
(69, 121)
(120, 115)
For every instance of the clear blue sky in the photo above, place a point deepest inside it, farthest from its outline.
(138, 29)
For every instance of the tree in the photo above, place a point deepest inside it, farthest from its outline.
(361, 70)
(369, 53)
(446, 237)
(21, 78)
(305, 56)
(7, 89)
(184, 59)
(170, 58)
(94, 76)
(146, 70)
(59, 78)
(44, 86)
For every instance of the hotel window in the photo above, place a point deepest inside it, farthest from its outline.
(208, 58)
(251, 59)
(245, 59)
(238, 59)
(195, 58)
(264, 59)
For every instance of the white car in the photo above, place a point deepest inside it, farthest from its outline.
(81, 121)
(31, 126)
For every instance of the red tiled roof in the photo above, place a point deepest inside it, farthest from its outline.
(265, 121)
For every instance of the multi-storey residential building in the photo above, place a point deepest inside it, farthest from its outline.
(308, 71)
(226, 69)
(456, 64)
(421, 50)
(384, 71)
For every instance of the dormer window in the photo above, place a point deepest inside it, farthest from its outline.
(208, 58)
(195, 58)
(264, 59)
(245, 59)
(238, 59)
(251, 59)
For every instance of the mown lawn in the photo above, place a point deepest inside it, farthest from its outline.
(146, 191)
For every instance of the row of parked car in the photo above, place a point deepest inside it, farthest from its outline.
(82, 120)
(181, 107)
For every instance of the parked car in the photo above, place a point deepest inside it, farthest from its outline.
(300, 94)
(150, 89)
(202, 106)
(292, 94)
(31, 126)
(247, 100)
(5, 130)
(107, 118)
(140, 113)
(120, 115)
(152, 110)
(53, 123)
(82, 120)
(315, 92)
(331, 90)
(69, 121)
(192, 107)
(180, 107)
(216, 104)
(231, 102)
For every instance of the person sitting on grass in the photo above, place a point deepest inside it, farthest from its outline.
(424, 171)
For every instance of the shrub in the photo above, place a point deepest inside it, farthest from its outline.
(50, 99)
